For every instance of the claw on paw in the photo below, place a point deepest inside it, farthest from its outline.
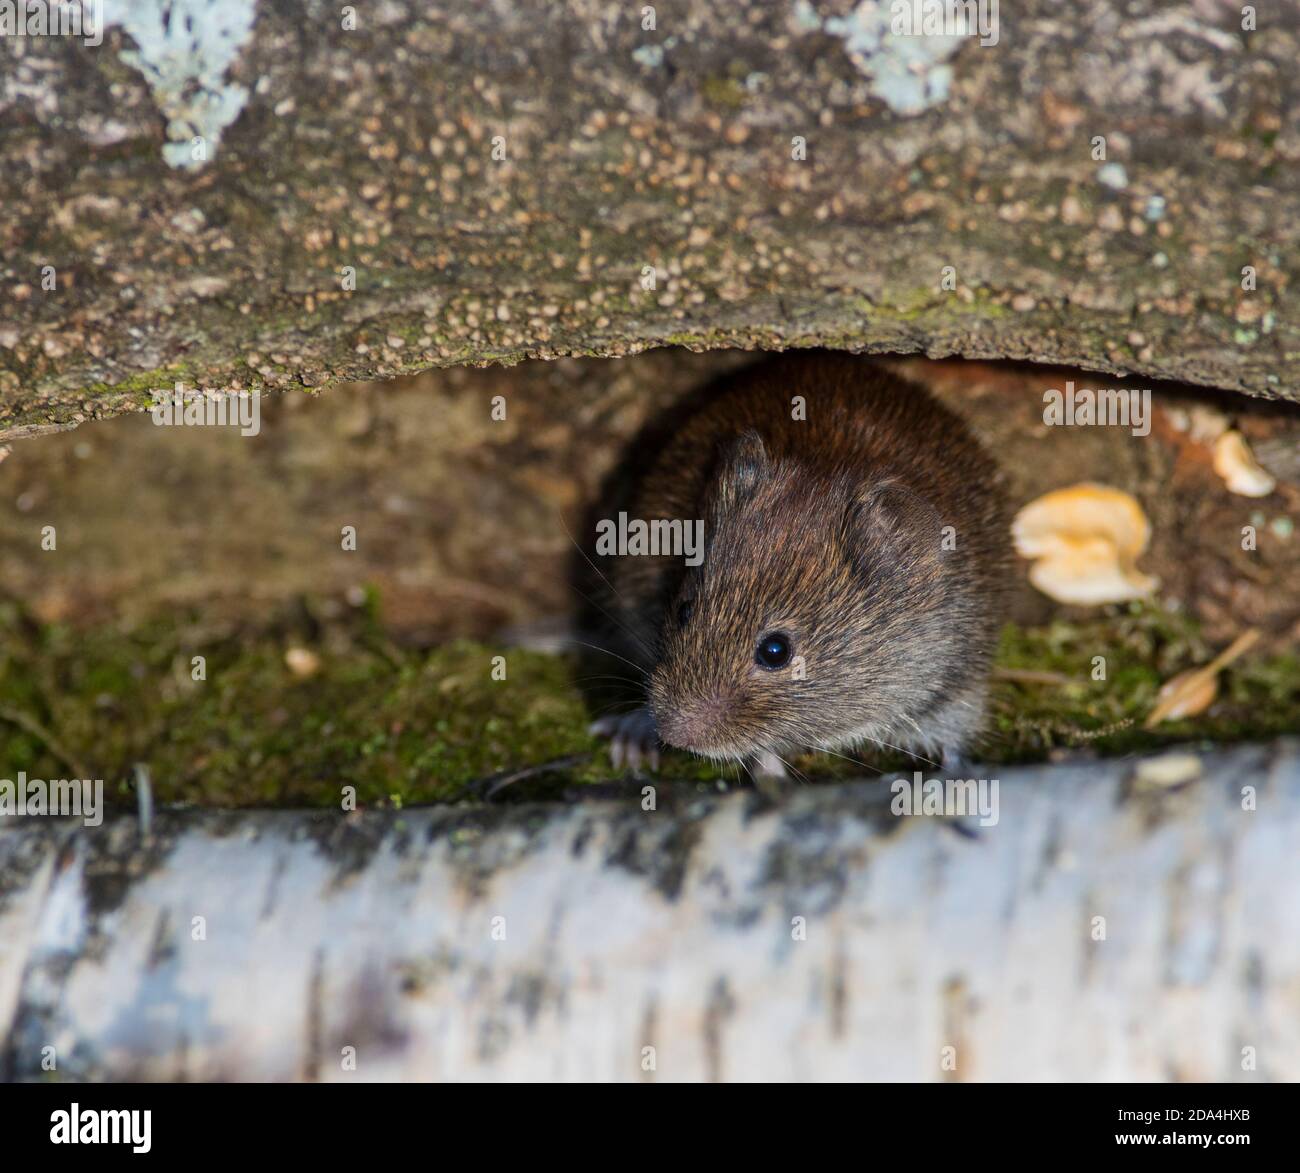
(633, 739)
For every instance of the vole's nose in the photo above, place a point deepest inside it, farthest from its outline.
(693, 724)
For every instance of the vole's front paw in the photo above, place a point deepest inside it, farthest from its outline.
(632, 736)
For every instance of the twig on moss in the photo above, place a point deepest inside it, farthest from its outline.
(30, 725)
(489, 788)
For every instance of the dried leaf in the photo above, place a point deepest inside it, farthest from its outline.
(1186, 694)
(1193, 692)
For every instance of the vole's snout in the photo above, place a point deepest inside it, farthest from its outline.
(692, 724)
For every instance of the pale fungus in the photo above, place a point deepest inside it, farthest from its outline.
(1236, 464)
(1085, 542)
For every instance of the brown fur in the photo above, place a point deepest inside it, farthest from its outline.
(829, 530)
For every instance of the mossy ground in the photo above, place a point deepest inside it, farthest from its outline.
(1138, 649)
(408, 726)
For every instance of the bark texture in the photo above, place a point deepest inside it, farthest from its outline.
(819, 938)
(183, 202)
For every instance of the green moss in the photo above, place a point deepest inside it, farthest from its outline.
(916, 303)
(1109, 670)
(399, 726)
(726, 92)
(415, 726)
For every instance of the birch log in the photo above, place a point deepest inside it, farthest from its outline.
(717, 937)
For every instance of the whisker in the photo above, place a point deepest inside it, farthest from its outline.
(614, 619)
(912, 722)
(899, 749)
(606, 651)
(618, 707)
(855, 761)
(588, 561)
(802, 777)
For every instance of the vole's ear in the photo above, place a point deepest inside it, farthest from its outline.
(893, 526)
(742, 462)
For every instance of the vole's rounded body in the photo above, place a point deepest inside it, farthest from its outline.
(855, 556)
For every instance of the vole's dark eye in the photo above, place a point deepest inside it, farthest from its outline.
(773, 650)
(684, 613)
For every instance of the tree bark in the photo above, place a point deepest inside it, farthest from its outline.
(1108, 926)
(504, 181)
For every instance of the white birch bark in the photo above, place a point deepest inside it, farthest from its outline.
(672, 930)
